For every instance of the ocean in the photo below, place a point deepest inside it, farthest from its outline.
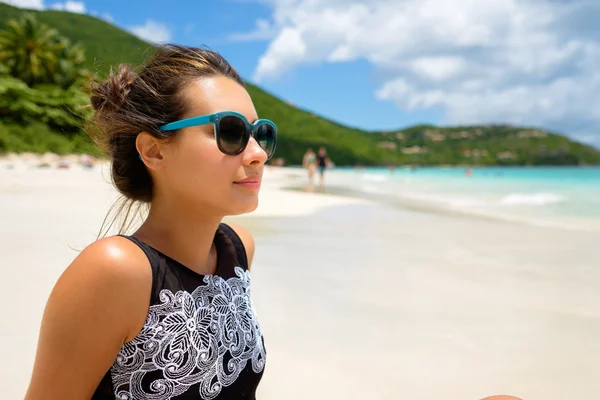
(550, 196)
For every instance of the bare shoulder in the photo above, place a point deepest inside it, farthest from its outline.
(114, 254)
(247, 240)
(99, 302)
(114, 261)
(112, 267)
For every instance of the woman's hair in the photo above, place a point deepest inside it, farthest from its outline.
(130, 102)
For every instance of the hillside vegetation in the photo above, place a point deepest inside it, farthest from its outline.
(45, 112)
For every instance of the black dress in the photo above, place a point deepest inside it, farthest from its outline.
(201, 338)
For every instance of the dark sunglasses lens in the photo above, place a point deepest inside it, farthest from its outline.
(265, 136)
(232, 134)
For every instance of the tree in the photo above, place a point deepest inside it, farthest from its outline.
(70, 61)
(29, 50)
(36, 54)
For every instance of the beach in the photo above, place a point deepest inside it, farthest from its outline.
(357, 298)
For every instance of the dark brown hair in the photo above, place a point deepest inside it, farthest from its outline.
(130, 102)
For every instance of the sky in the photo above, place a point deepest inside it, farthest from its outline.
(389, 64)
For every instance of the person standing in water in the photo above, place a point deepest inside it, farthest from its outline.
(308, 162)
(166, 312)
(323, 162)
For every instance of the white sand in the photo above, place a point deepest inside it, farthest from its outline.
(356, 300)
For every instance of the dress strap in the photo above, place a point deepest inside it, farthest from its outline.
(235, 239)
(153, 258)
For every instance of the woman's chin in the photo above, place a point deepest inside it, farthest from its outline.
(246, 208)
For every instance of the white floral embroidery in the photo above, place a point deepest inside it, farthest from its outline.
(204, 337)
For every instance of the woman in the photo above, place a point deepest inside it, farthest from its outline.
(165, 313)
(308, 162)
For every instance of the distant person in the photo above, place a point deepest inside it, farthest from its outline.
(87, 161)
(309, 163)
(166, 312)
(323, 162)
(64, 164)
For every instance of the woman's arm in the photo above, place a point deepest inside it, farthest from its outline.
(100, 302)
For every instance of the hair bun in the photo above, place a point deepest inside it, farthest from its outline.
(113, 93)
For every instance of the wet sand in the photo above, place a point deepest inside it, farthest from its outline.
(357, 300)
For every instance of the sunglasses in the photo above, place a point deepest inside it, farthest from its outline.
(233, 131)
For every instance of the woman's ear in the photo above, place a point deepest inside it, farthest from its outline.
(149, 150)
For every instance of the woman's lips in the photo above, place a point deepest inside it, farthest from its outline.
(249, 183)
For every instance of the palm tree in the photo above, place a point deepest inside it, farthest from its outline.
(29, 50)
(70, 64)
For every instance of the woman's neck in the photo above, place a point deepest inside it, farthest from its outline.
(186, 237)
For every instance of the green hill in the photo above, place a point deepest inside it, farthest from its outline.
(107, 45)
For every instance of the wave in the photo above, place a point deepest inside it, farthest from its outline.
(375, 177)
(532, 202)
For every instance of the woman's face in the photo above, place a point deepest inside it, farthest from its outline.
(196, 171)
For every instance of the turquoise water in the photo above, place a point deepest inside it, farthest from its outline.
(565, 196)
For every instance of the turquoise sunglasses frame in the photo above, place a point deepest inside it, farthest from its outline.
(214, 119)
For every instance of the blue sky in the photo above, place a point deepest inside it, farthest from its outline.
(387, 64)
(320, 88)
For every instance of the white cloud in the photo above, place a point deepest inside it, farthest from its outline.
(70, 6)
(263, 31)
(521, 61)
(152, 31)
(287, 49)
(438, 68)
(31, 4)
(107, 17)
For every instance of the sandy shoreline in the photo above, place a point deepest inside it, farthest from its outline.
(416, 306)
(357, 299)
